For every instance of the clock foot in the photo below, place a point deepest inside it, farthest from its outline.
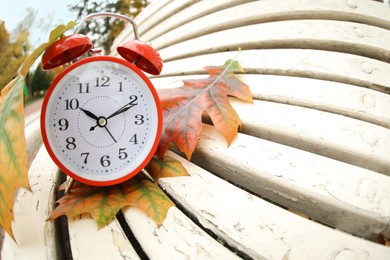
(147, 175)
(70, 185)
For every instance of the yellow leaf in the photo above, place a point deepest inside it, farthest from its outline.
(13, 154)
(103, 203)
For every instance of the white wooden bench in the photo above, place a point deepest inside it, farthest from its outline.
(308, 177)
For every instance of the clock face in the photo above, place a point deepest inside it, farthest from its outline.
(101, 120)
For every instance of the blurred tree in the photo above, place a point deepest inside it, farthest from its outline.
(104, 32)
(13, 53)
(4, 37)
(14, 48)
(39, 81)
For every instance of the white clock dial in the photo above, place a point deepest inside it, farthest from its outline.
(101, 120)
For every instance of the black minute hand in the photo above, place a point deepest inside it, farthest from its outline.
(123, 109)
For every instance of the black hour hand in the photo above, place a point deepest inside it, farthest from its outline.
(89, 113)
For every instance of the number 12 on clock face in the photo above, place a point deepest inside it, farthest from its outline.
(101, 120)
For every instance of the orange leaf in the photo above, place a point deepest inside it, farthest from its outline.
(165, 167)
(183, 107)
(103, 203)
(13, 153)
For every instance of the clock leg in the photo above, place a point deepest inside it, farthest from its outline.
(147, 175)
(70, 185)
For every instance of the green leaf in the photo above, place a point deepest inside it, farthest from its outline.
(54, 35)
(13, 159)
(234, 65)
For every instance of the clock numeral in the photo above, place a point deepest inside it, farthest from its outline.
(83, 88)
(72, 104)
(104, 161)
(134, 139)
(120, 87)
(133, 99)
(86, 157)
(70, 143)
(122, 153)
(139, 119)
(103, 81)
(64, 124)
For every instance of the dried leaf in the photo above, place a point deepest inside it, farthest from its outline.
(183, 107)
(165, 167)
(103, 203)
(13, 159)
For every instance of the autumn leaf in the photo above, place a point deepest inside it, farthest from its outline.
(183, 107)
(54, 35)
(103, 203)
(165, 167)
(13, 159)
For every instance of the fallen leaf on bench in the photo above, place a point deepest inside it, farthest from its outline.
(165, 167)
(13, 159)
(183, 107)
(103, 203)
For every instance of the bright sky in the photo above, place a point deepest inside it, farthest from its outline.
(49, 14)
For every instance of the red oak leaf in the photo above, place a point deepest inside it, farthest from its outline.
(183, 107)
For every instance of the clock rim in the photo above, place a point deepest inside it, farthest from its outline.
(157, 137)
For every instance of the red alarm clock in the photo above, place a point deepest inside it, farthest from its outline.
(101, 118)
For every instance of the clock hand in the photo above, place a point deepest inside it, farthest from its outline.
(89, 113)
(124, 108)
(102, 122)
(110, 133)
(93, 127)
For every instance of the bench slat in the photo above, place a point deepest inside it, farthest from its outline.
(166, 10)
(259, 12)
(143, 17)
(346, 37)
(343, 196)
(260, 229)
(35, 235)
(32, 133)
(342, 99)
(188, 15)
(325, 65)
(109, 242)
(177, 238)
(338, 137)
(249, 12)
